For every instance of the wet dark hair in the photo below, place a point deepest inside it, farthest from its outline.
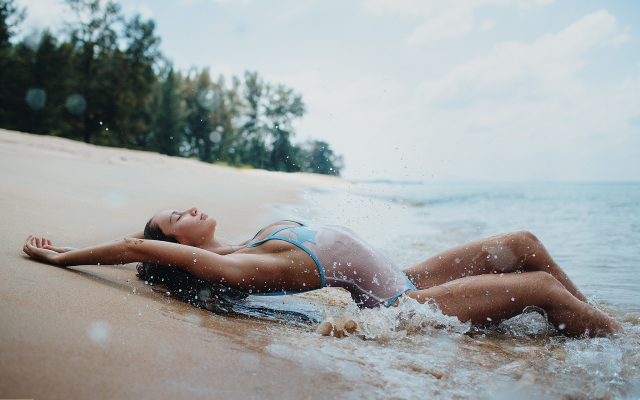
(179, 283)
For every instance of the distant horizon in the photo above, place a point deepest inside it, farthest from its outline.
(473, 91)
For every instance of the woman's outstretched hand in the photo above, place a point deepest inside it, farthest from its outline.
(41, 249)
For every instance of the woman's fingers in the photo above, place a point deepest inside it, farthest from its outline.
(38, 242)
(28, 242)
(29, 248)
(41, 249)
(40, 253)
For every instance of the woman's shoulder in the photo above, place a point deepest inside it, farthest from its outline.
(267, 230)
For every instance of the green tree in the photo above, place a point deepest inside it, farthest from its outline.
(250, 143)
(10, 19)
(168, 127)
(45, 72)
(200, 98)
(108, 85)
(264, 138)
(142, 54)
(320, 159)
(283, 106)
(94, 36)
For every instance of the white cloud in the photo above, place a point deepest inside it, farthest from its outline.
(145, 11)
(451, 24)
(444, 19)
(293, 11)
(515, 69)
(306, 81)
(487, 25)
(43, 14)
(221, 68)
(419, 8)
(520, 112)
(620, 39)
(221, 2)
(431, 8)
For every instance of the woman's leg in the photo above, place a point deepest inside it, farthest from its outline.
(510, 252)
(489, 299)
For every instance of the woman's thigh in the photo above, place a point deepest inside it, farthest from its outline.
(489, 299)
(503, 253)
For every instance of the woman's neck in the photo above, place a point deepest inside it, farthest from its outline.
(221, 246)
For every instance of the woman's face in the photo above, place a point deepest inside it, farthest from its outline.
(188, 227)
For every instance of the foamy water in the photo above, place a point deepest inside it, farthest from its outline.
(413, 351)
(430, 356)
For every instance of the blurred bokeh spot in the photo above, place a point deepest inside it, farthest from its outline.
(36, 98)
(76, 104)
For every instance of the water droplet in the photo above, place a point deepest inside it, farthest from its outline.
(100, 332)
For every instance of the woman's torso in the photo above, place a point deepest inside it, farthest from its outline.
(342, 258)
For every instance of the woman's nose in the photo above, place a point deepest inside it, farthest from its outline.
(193, 211)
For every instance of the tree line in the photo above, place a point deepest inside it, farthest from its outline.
(106, 82)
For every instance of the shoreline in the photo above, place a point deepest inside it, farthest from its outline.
(94, 331)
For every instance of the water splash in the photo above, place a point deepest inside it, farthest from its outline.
(409, 317)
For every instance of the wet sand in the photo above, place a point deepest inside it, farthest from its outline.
(98, 331)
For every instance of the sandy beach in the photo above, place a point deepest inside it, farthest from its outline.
(98, 331)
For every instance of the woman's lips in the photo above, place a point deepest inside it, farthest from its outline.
(203, 216)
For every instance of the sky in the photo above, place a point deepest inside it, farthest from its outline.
(457, 90)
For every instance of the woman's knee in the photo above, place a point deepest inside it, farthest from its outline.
(508, 252)
(524, 239)
(548, 290)
(524, 245)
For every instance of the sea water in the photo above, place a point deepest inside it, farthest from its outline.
(414, 352)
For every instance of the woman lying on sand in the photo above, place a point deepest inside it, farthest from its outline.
(483, 282)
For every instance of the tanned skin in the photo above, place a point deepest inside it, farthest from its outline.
(483, 282)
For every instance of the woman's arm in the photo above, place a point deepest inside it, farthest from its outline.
(201, 263)
(268, 271)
